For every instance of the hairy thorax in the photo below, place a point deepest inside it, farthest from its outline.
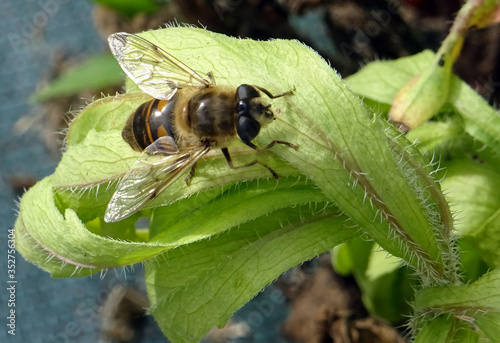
(208, 115)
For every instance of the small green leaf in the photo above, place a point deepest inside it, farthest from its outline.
(341, 260)
(446, 328)
(386, 286)
(416, 86)
(489, 324)
(422, 97)
(473, 188)
(478, 304)
(481, 121)
(473, 266)
(129, 8)
(436, 330)
(484, 13)
(441, 137)
(96, 73)
(389, 295)
(380, 263)
(380, 81)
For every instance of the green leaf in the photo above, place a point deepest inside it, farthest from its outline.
(63, 237)
(473, 266)
(435, 330)
(481, 121)
(478, 304)
(110, 113)
(34, 252)
(94, 161)
(97, 73)
(483, 13)
(446, 328)
(473, 189)
(422, 97)
(389, 295)
(409, 109)
(341, 260)
(185, 222)
(129, 8)
(489, 324)
(204, 283)
(387, 288)
(380, 263)
(380, 81)
(441, 137)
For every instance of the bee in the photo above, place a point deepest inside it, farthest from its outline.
(188, 116)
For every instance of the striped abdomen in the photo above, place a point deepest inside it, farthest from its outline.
(151, 120)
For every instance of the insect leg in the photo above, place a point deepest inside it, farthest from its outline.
(270, 145)
(211, 77)
(230, 163)
(273, 143)
(270, 95)
(191, 174)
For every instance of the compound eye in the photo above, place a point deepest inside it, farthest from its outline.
(248, 129)
(242, 108)
(244, 92)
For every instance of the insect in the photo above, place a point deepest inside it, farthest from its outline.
(188, 116)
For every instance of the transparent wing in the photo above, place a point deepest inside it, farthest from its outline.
(158, 166)
(154, 70)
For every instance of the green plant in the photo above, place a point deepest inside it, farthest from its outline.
(213, 245)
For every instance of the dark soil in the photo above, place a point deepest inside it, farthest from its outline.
(327, 308)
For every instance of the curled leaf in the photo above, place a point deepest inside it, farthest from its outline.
(421, 98)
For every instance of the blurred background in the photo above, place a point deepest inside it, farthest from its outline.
(54, 59)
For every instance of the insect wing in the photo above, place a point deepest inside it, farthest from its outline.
(158, 166)
(154, 70)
